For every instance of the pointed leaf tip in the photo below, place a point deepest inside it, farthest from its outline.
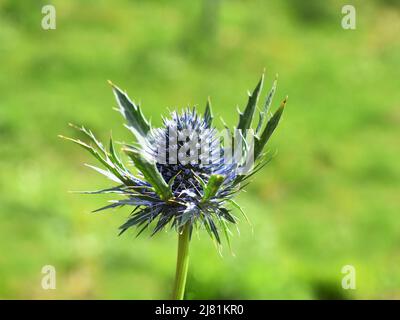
(265, 110)
(136, 121)
(261, 141)
(208, 114)
(246, 118)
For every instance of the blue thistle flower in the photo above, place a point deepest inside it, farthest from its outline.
(174, 186)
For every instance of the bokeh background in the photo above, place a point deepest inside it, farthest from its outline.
(329, 198)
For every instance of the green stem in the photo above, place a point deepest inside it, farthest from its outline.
(182, 263)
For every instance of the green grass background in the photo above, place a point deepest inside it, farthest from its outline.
(329, 198)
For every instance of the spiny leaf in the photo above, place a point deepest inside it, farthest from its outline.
(236, 205)
(225, 213)
(85, 146)
(150, 172)
(227, 234)
(147, 214)
(199, 179)
(162, 222)
(114, 155)
(261, 141)
(91, 136)
(212, 186)
(214, 229)
(265, 110)
(89, 148)
(109, 206)
(104, 161)
(208, 115)
(246, 117)
(117, 189)
(172, 180)
(258, 167)
(131, 112)
(141, 230)
(120, 203)
(106, 173)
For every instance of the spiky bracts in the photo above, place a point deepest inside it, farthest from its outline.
(187, 171)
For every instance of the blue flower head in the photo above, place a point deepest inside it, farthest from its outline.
(187, 172)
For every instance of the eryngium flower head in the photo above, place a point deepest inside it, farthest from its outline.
(187, 174)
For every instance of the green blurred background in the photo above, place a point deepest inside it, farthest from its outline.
(329, 198)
